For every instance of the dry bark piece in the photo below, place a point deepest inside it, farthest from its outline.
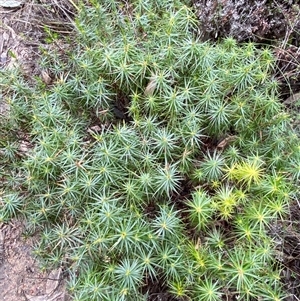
(1, 247)
(54, 297)
(53, 281)
(36, 298)
(43, 297)
(11, 3)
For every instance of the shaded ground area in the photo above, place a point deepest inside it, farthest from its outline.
(24, 29)
(22, 32)
(266, 22)
(286, 235)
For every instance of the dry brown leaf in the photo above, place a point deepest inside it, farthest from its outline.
(150, 87)
(292, 99)
(46, 78)
(96, 128)
(224, 142)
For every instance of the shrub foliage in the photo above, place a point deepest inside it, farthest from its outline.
(156, 162)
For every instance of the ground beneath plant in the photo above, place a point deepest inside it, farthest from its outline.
(20, 275)
(22, 33)
(21, 36)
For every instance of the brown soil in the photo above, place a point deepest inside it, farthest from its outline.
(20, 275)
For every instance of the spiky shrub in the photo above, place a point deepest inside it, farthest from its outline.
(157, 161)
